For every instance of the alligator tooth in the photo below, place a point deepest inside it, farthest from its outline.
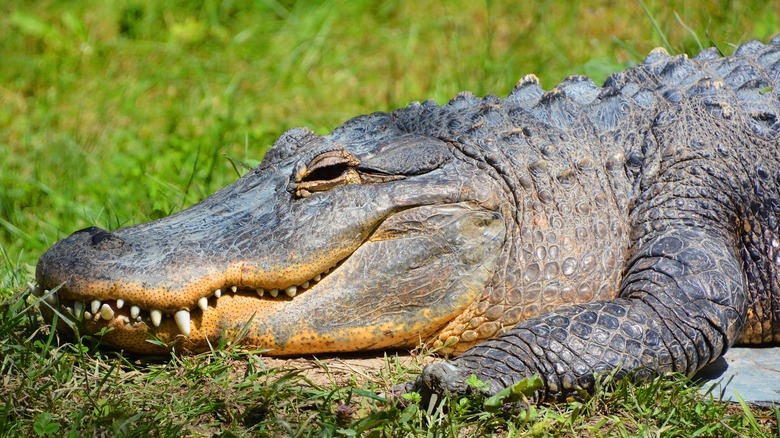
(95, 306)
(218, 293)
(124, 319)
(106, 312)
(182, 318)
(156, 315)
(78, 309)
(274, 292)
(203, 303)
(234, 288)
(87, 316)
(260, 292)
(120, 303)
(51, 298)
(291, 291)
(134, 312)
(318, 277)
(305, 284)
(35, 288)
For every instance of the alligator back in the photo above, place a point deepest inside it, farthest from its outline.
(689, 156)
(592, 171)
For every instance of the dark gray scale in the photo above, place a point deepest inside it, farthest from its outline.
(580, 89)
(722, 67)
(643, 97)
(464, 100)
(369, 129)
(745, 73)
(557, 109)
(680, 71)
(526, 93)
(656, 56)
(609, 110)
(769, 55)
(749, 48)
(708, 54)
(774, 70)
(755, 89)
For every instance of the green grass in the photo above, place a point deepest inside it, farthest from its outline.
(115, 113)
(51, 388)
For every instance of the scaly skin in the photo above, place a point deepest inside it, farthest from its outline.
(564, 234)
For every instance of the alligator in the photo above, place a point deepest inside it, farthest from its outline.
(629, 228)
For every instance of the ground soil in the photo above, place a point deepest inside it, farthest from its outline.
(347, 368)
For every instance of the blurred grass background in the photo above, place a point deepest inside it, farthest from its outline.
(118, 112)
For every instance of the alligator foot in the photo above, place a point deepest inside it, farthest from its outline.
(442, 378)
(438, 381)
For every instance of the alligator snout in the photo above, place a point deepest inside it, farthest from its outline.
(84, 247)
(93, 244)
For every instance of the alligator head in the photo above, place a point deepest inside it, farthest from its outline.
(368, 238)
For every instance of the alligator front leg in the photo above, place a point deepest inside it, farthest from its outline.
(682, 304)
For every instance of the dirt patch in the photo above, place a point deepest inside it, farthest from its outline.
(381, 369)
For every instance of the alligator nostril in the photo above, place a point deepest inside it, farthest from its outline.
(90, 230)
(103, 240)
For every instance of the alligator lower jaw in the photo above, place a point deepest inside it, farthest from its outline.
(125, 315)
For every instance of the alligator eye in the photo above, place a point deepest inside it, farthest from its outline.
(328, 166)
(326, 171)
(325, 168)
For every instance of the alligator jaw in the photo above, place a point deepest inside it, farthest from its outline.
(131, 316)
(342, 309)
